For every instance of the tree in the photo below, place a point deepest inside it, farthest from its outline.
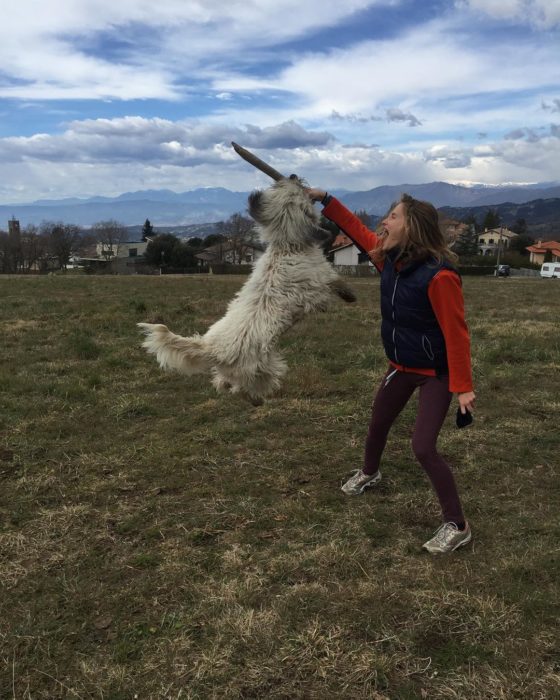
(61, 240)
(33, 247)
(467, 242)
(364, 217)
(147, 230)
(214, 239)
(166, 250)
(520, 227)
(520, 243)
(240, 234)
(9, 252)
(110, 234)
(471, 220)
(3, 251)
(159, 251)
(491, 220)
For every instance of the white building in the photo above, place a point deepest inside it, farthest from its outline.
(131, 249)
(233, 253)
(345, 252)
(491, 239)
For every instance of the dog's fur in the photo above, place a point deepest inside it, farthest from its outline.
(291, 279)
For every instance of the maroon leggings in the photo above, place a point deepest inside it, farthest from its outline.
(434, 399)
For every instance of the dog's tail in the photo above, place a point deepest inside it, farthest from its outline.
(186, 355)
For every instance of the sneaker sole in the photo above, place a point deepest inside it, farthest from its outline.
(364, 487)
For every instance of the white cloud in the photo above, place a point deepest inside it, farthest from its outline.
(554, 107)
(317, 112)
(540, 13)
(432, 62)
(138, 140)
(111, 156)
(54, 49)
(449, 157)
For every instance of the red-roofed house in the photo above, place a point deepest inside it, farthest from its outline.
(341, 239)
(540, 249)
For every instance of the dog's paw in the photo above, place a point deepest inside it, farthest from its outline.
(254, 400)
(343, 290)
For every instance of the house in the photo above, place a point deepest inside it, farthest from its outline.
(494, 238)
(344, 252)
(228, 252)
(341, 240)
(131, 249)
(541, 250)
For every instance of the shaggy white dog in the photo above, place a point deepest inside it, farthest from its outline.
(291, 279)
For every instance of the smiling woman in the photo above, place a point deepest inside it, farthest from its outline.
(426, 342)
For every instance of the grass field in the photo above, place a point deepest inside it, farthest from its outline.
(160, 541)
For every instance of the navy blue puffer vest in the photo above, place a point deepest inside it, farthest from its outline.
(409, 329)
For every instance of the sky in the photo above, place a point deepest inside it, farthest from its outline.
(99, 97)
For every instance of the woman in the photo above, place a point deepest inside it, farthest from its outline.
(426, 341)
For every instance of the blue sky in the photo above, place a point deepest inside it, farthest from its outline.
(99, 97)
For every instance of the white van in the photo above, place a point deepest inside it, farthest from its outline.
(550, 270)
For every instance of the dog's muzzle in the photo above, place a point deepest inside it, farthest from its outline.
(254, 204)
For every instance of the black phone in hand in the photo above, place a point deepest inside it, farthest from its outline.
(463, 419)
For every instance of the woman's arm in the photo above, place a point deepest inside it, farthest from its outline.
(336, 212)
(446, 297)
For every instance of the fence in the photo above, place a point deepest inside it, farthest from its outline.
(524, 272)
(476, 269)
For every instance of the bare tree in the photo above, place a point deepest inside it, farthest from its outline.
(110, 234)
(5, 253)
(364, 217)
(33, 247)
(240, 235)
(11, 250)
(62, 239)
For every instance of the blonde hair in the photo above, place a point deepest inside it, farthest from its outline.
(424, 237)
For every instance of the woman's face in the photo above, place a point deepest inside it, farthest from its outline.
(394, 229)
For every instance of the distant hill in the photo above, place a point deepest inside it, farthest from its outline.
(161, 207)
(166, 208)
(378, 200)
(189, 231)
(542, 215)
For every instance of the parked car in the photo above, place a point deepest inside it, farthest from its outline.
(550, 270)
(502, 270)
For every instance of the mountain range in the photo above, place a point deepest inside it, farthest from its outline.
(541, 215)
(205, 205)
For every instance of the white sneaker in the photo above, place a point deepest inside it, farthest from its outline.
(448, 538)
(359, 482)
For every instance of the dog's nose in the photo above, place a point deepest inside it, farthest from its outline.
(254, 197)
(253, 203)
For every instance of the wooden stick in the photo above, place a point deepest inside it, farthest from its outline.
(257, 162)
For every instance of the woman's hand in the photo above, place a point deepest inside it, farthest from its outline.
(316, 194)
(466, 401)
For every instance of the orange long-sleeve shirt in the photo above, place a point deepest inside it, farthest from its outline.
(445, 295)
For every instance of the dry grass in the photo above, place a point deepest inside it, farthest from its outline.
(160, 541)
